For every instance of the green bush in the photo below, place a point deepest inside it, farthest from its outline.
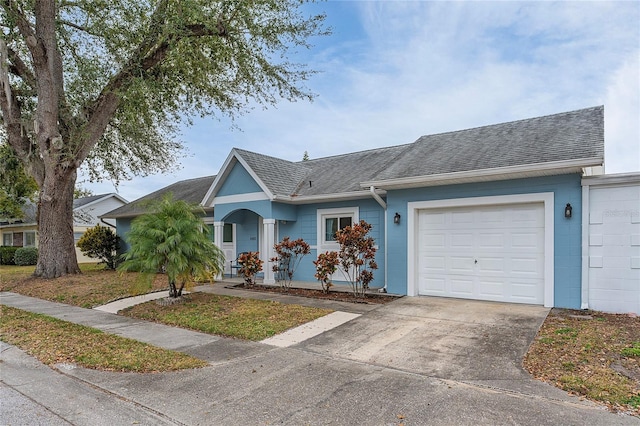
(26, 256)
(6, 255)
(101, 243)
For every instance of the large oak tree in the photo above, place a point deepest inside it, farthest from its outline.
(105, 84)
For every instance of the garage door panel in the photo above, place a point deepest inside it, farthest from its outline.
(461, 287)
(528, 240)
(495, 216)
(526, 291)
(460, 265)
(531, 266)
(432, 218)
(434, 264)
(435, 241)
(491, 289)
(433, 285)
(489, 253)
(461, 240)
(461, 217)
(490, 265)
(491, 240)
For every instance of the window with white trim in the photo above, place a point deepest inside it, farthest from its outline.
(7, 239)
(29, 239)
(331, 221)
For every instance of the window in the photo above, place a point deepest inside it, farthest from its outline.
(30, 238)
(7, 239)
(332, 220)
(227, 233)
(333, 224)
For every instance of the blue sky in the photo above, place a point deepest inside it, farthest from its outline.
(393, 71)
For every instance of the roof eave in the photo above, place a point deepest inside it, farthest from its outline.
(136, 214)
(484, 175)
(320, 198)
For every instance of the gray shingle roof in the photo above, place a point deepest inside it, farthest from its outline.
(343, 173)
(190, 190)
(567, 136)
(281, 177)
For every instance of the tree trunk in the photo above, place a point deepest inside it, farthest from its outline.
(173, 291)
(56, 248)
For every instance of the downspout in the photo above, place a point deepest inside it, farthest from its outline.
(107, 223)
(382, 203)
(378, 198)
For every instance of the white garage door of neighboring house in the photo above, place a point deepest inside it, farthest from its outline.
(614, 245)
(482, 252)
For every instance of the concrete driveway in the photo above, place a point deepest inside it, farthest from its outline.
(416, 361)
(440, 337)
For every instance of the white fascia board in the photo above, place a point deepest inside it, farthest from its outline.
(612, 179)
(327, 197)
(498, 173)
(240, 198)
(220, 177)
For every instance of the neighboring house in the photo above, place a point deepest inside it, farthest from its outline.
(490, 213)
(190, 190)
(86, 211)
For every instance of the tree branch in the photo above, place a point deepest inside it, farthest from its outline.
(151, 52)
(19, 68)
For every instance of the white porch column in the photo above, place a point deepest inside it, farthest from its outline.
(218, 230)
(268, 241)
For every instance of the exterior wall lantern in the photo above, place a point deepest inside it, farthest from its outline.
(396, 218)
(567, 211)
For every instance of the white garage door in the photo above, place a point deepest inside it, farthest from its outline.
(486, 253)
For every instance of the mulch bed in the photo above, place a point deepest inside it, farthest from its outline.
(339, 296)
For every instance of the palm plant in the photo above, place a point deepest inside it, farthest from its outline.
(172, 238)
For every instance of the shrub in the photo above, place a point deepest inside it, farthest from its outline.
(326, 266)
(101, 243)
(290, 253)
(7, 253)
(357, 256)
(26, 256)
(250, 265)
(173, 238)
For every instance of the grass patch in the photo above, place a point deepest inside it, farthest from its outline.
(596, 358)
(94, 287)
(228, 316)
(633, 351)
(53, 341)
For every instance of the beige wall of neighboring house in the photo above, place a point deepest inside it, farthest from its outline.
(86, 215)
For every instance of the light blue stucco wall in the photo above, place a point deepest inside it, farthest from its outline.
(247, 232)
(567, 232)
(239, 181)
(305, 227)
(123, 226)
